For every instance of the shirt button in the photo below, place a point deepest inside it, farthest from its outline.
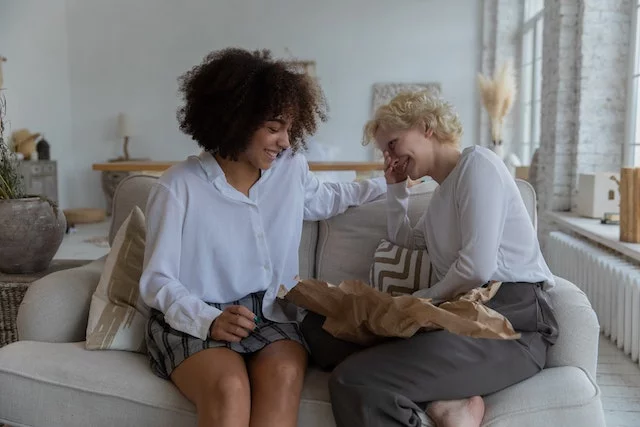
(260, 235)
(266, 267)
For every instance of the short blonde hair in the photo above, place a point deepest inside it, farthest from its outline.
(422, 109)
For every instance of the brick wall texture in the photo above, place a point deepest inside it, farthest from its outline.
(584, 86)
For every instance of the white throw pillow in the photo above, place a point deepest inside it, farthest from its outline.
(117, 315)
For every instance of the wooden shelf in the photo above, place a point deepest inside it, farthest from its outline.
(135, 166)
(605, 234)
(132, 166)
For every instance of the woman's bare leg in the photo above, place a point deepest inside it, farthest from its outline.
(216, 381)
(277, 375)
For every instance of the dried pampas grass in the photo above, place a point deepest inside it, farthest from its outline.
(498, 95)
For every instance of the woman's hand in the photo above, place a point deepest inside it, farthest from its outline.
(411, 182)
(234, 324)
(392, 173)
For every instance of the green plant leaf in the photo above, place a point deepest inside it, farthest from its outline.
(11, 185)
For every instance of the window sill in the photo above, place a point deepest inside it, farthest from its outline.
(605, 234)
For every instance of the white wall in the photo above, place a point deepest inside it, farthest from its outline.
(125, 55)
(33, 37)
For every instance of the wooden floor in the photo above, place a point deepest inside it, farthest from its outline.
(619, 380)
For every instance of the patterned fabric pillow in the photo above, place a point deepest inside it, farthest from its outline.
(117, 315)
(397, 270)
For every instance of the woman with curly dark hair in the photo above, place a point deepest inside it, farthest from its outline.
(223, 230)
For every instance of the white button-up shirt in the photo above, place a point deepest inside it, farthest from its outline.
(208, 242)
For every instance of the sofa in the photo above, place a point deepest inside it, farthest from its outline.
(49, 379)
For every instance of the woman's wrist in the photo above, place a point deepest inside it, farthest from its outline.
(398, 190)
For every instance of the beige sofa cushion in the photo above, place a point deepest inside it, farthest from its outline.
(347, 242)
(55, 308)
(132, 191)
(307, 250)
(76, 387)
(65, 385)
(118, 315)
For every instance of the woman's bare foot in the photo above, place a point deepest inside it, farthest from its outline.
(457, 413)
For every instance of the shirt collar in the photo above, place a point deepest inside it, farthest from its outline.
(213, 170)
(210, 166)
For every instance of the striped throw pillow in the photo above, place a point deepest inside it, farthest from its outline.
(398, 271)
(117, 314)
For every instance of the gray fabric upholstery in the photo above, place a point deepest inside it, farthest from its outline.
(307, 251)
(64, 385)
(579, 329)
(109, 388)
(132, 191)
(565, 396)
(530, 201)
(56, 307)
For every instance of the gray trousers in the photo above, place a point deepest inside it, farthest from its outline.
(390, 384)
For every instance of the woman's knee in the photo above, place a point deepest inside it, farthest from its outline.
(229, 388)
(345, 375)
(283, 363)
(285, 372)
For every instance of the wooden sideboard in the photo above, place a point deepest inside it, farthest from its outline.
(155, 166)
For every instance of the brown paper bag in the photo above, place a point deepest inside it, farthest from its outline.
(358, 313)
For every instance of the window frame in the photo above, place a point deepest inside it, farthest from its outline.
(530, 82)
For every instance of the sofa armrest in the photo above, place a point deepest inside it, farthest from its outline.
(56, 307)
(579, 330)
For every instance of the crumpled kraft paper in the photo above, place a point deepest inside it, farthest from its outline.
(358, 313)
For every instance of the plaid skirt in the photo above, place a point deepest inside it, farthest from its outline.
(168, 347)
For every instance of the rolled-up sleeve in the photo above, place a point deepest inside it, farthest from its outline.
(399, 227)
(323, 200)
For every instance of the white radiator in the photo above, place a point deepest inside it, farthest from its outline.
(611, 283)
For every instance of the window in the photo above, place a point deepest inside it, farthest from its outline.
(531, 78)
(632, 138)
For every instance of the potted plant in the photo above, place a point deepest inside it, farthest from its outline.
(31, 227)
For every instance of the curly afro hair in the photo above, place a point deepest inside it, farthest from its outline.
(233, 92)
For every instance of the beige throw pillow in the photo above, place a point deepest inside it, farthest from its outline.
(397, 270)
(117, 315)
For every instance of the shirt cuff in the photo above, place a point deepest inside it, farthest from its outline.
(206, 318)
(398, 191)
(380, 182)
(197, 325)
(428, 293)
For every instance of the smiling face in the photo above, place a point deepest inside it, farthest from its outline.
(410, 150)
(271, 139)
(413, 128)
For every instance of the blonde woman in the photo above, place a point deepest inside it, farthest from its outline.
(476, 230)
